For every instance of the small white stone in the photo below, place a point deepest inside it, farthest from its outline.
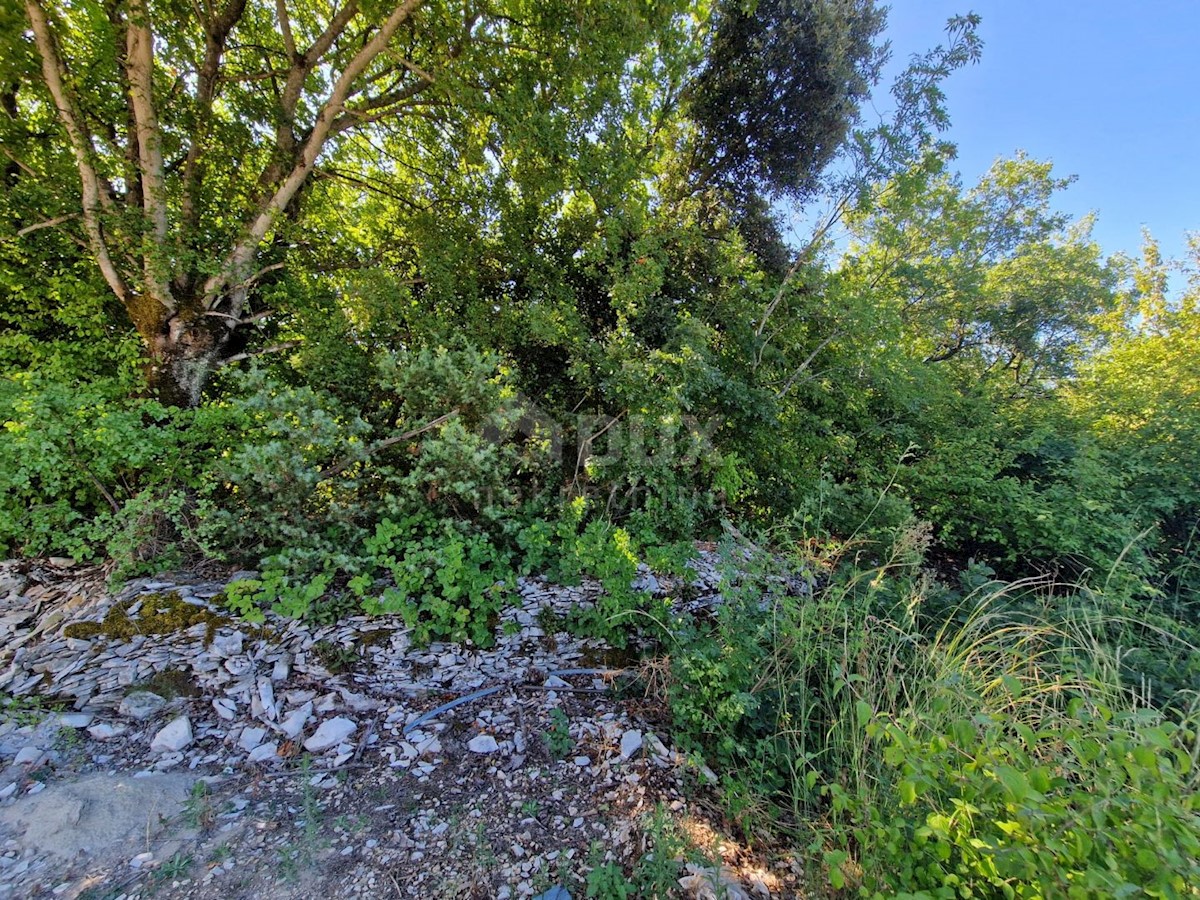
(483, 743)
(140, 860)
(225, 708)
(266, 696)
(331, 733)
(104, 731)
(555, 682)
(75, 720)
(27, 756)
(251, 738)
(8, 791)
(174, 736)
(583, 761)
(227, 644)
(294, 722)
(141, 705)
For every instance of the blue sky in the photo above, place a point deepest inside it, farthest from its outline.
(1108, 91)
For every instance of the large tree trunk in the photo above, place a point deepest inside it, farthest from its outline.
(184, 350)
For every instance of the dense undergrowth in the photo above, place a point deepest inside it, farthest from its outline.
(559, 331)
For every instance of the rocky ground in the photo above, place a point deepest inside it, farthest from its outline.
(152, 746)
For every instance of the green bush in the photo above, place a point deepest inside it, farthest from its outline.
(1091, 803)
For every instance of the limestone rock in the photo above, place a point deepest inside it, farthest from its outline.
(331, 733)
(141, 705)
(173, 737)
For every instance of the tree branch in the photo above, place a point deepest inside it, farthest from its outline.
(139, 69)
(344, 464)
(93, 197)
(216, 35)
(241, 255)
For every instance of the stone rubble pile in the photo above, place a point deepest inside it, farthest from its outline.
(224, 700)
(259, 695)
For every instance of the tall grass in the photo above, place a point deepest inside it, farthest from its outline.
(864, 711)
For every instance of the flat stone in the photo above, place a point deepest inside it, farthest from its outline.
(141, 705)
(330, 733)
(483, 743)
(103, 731)
(227, 644)
(264, 752)
(631, 743)
(293, 723)
(27, 756)
(75, 720)
(251, 738)
(173, 737)
(225, 708)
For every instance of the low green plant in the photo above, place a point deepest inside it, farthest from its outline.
(998, 753)
(656, 873)
(557, 737)
(605, 880)
(26, 710)
(198, 809)
(1094, 802)
(173, 869)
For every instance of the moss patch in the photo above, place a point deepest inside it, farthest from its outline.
(164, 613)
(169, 684)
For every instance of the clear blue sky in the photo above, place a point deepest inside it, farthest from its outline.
(1108, 91)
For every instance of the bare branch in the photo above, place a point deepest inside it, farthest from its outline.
(791, 382)
(49, 223)
(274, 348)
(285, 28)
(344, 464)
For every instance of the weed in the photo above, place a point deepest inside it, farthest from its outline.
(198, 810)
(29, 710)
(558, 736)
(220, 854)
(657, 871)
(530, 809)
(174, 868)
(605, 880)
(335, 657)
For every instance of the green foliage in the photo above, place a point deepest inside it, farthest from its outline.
(1091, 803)
(557, 737)
(945, 751)
(781, 89)
(441, 580)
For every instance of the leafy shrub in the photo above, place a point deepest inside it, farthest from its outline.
(84, 468)
(1092, 802)
(997, 752)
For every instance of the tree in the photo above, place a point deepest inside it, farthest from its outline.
(197, 131)
(781, 89)
(989, 277)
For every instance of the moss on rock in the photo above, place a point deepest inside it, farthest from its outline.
(160, 613)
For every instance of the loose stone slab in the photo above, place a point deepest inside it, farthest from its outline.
(141, 705)
(331, 733)
(173, 737)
